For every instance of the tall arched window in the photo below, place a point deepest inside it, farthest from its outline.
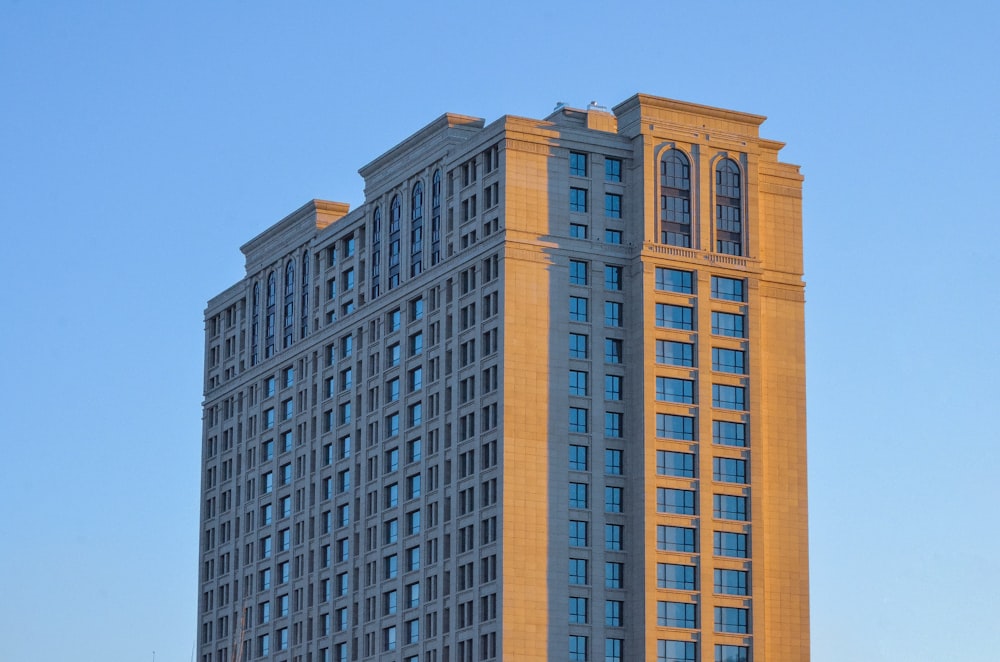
(417, 229)
(269, 338)
(255, 325)
(675, 199)
(728, 197)
(395, 212)
(376, 256)
(289, 327)
(304, 305)
(436, 218)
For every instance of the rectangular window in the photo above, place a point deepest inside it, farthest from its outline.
(676, 576)
(578, 571)
(578, 382)
(578, 458)
(578, 420)
(729, 470)
(729, 289)
(728, 506)
(725, 543)
(578, 497)
(613, 614)
(675, 614)
(669, 352)
(612, 313)
(677, 502)
(728, 324)
(613, 424)
(675, 651)
(614, 537)
(672, 426)
(612, 350)
(393, 320)
(613, 387)
(612, 205)
(612, 170)
(673, 463)
(614, 575)
(731, 582)
(578, 346)
(726, 433)
(730, 653)
(613, 499)
(728, 360)
(675, 538)
(577, 272)
(669, 316)
(578, 610)
(578, 200)
(578, 230)
(577, 648)
(729, 397)
(613, 458)
(613, 237)
(577, 164)
(674, 280)
(732, 619)
(578, 309)
(577, 533)
(670, 389)
(613, 278)
(413, 486)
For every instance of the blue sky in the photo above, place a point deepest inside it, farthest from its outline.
(142, 143)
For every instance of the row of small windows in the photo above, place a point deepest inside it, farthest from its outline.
(724, 396)
(681, 428)
(682, 282)
(675, 501)
(668, 614)
(417, 229)
(578, 167)
(269, 311)
(675, 203)
(668, 650)
(668, 575)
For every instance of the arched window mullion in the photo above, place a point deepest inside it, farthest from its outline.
(289, 305)
(417, 229)
(728, 209)
(675, 199)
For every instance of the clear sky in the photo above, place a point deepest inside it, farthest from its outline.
(141, 143)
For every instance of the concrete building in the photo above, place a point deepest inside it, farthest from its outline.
(540, 398)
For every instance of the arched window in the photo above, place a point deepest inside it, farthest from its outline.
(728, 206)
(255, 325)
(417, 229)
(395, 213)
(675, 199)
(269, 337)
(289, 326)
(304, 305)
(376, 256)
(436, 218)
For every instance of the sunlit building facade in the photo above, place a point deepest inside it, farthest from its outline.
(541, 397)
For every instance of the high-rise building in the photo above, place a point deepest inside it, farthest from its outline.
(541, 397)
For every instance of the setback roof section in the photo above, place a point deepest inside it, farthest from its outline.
(637, 112)
(291, 232)
(455, 128)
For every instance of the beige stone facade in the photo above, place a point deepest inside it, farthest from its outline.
(541, 397)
